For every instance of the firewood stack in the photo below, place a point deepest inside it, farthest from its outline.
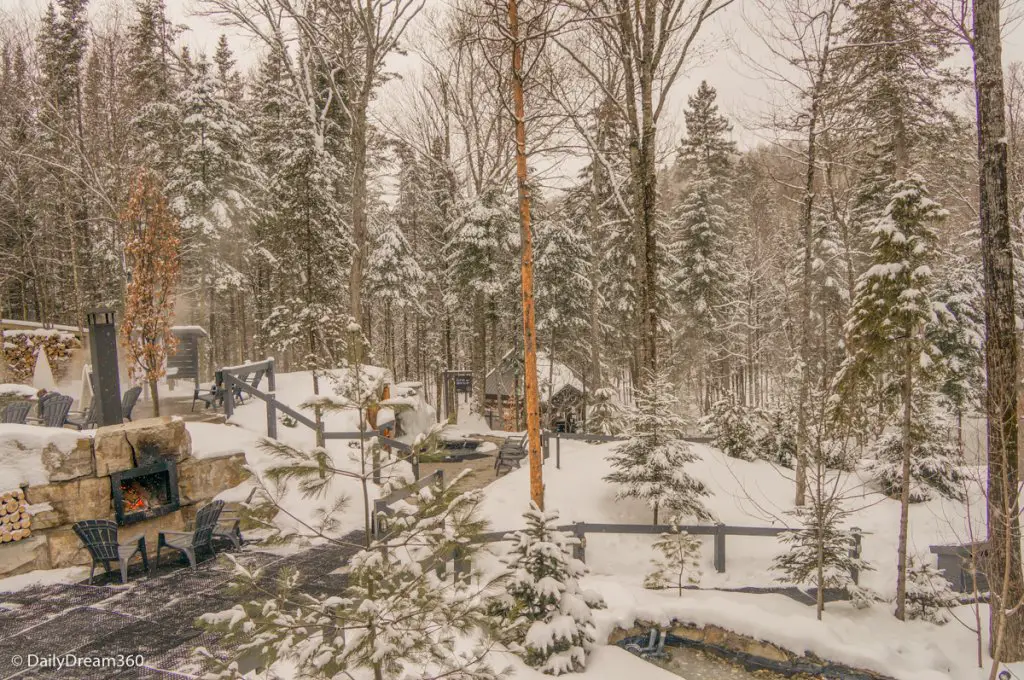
(15, 521)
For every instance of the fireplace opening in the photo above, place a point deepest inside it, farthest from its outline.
(145, 492)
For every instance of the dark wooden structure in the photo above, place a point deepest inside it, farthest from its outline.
(106, 381)
(184, 363)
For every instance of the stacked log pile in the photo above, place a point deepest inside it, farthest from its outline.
(15, 520)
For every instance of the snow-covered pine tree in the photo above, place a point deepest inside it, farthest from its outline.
(776, 443)
(395, 614)
(959, 336)
(605, 415)
(209, 189)
(818, 553)
(886, 333)
(153, 88)
(929, 593)
(303, 245)
(935, 462)
(481, 252)
(732, 428)
(677, 564)
(700, 247)
(394, 280)
(650, 464)
(545, 614)
(563, 287)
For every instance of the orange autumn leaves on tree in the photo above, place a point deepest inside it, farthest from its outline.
(152, 245)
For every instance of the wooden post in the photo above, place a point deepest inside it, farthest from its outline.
(720, 548)
(579, 551)
(558, 451)
(271, 377)
(226, 387)
(855, 553)
(271, 418)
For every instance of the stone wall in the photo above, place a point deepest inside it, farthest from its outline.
(79, 488)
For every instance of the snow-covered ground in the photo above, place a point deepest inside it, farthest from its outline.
(756, 494)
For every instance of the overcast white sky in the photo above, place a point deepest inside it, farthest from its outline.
(743, 95)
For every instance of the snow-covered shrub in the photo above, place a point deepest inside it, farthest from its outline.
(934, 464)
(394, 614)
(677, 564)
(929, 594)
(732, 428)
(604, 415)
(545, 614)
(776, 442)
(650, 464)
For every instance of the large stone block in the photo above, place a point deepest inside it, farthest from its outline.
(150, 528)
(201, 479)
(117, 446)
(24, 556)
(65, 548)
(85, 498)
(65, 465)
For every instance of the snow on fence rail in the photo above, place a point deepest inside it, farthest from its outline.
(382, 506)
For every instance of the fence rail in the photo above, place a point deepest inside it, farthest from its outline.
(382, 506)
(547, 436)
(230, 382)
(719, 531)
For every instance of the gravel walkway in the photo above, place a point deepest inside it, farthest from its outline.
(150, 617)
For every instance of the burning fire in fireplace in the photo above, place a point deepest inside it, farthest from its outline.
(135, 496)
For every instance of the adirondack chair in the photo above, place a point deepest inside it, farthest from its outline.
(16, 412)
(83, 420)
(511, 453)
(101, 540)
(41, 402)
(128, 401)
(209, 394)
(189, 542)
(55, 410)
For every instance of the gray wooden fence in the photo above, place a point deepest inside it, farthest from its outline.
(233, 381)
(719, 531)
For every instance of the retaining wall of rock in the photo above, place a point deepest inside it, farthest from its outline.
(79, 488)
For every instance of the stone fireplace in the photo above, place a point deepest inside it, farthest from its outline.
(141, 474)
(146, 491)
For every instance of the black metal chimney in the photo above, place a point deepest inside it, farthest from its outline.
(106, 384)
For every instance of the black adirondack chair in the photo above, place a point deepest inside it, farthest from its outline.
(101, 540)
(511, 454)
(54, 412)
(128, 401)
(190, 542)
(16, 412)
(83, 420)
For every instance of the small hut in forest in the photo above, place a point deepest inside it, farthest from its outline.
(561, 394)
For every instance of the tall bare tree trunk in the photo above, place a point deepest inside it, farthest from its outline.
(1003, 568)
(908, 415)
(526, 263)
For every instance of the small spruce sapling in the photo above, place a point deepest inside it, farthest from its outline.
(929, 595)
(545, 614)
(650, 464)
(677, 564)
(605, 414)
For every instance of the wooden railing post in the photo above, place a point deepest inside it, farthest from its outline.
(271, 378)
(271, 419)
(855, 553)
(225, 384)
(376, 521)
(579, 551)
(720, 548)
(461, 565)
(558, 452)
